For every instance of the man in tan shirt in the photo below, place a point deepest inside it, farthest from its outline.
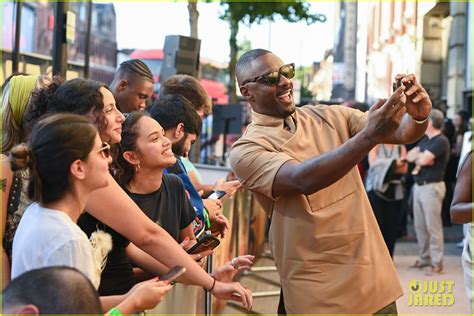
(301, 164)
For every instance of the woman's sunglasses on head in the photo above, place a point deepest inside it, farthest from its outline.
(273, 78)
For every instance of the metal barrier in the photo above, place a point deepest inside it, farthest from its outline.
(247, 221)
(247, 235)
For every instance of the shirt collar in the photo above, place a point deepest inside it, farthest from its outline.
(267, 120)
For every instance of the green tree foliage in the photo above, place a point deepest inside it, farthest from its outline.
(249, 12)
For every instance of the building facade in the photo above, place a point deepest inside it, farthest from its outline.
(36, 38)
(431, 39)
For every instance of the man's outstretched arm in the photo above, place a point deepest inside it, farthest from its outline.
(387, 123)
(323, 170)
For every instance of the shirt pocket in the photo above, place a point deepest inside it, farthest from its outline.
(334, 193)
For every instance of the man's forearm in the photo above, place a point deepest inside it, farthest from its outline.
(461, 213)
(320, 172)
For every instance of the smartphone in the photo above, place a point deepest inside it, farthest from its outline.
(397, 84)
(173, 274)
(214, 195)
(208, 242)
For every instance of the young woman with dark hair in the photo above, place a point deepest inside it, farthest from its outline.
(164, 202)
(84, 97)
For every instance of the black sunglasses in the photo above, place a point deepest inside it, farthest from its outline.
(273, 78)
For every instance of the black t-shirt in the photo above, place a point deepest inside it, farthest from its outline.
(169, 207)
(439, 146)
(117, 276)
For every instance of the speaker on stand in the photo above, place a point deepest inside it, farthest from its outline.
(181, 56)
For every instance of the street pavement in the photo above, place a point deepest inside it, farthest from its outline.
(423, 292)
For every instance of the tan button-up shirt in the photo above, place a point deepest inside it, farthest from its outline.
(327, 246)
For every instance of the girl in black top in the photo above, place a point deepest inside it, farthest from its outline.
(143, 155)
(161, 197)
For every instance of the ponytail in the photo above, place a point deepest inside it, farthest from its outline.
(22, 158)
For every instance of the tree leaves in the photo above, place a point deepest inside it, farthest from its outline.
(255, 12)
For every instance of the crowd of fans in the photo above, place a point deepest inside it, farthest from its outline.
(94, 189)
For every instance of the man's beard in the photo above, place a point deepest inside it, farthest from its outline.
(178, 148)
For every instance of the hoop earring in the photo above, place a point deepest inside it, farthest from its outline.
(137, 167)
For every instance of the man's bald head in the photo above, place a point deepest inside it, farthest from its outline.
(244, 64)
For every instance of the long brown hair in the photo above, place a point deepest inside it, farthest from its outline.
(78, 96)
(56, 142)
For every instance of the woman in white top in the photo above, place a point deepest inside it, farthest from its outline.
(67, 161)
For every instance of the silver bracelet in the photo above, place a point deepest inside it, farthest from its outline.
(422, 121)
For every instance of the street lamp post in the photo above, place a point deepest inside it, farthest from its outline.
(87, 52)
(59, 39)
(16, 48)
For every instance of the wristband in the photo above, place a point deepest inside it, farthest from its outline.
(212, 287)
(205, 213)
(114, 312)
(421, 121)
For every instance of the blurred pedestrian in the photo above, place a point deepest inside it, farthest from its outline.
(385, 188)
(430, 157)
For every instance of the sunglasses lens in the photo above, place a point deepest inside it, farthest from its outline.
(288, 71)
(273, 77)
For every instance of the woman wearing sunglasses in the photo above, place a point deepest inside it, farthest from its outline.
(111, 205)
(67, 161)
